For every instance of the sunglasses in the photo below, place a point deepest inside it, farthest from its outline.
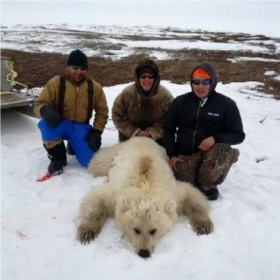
(147, 76)
(197, 82)
(76, 67)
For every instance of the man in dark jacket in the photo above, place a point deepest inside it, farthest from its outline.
(66, 106)
(199, 128)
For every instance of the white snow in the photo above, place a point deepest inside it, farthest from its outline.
(270, 73)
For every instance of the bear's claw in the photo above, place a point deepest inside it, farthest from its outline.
(85, 235)
(204, 228)
(201, 231)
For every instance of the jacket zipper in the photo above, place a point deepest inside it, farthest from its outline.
(194, 133)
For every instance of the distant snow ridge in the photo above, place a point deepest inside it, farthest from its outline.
(118, 41)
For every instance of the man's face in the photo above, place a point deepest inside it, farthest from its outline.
(200, 90)
(76, 73)
(146, 81)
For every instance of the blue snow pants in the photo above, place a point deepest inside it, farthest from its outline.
(74, 133)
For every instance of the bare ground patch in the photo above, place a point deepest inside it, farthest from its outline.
(35, 69)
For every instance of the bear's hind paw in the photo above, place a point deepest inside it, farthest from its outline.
(85, 235)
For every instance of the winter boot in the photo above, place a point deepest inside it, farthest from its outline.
(70, 150)
(211, 194)
(57, 155)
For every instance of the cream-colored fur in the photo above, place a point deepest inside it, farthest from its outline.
(142, 194)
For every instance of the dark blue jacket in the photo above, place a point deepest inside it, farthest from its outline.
(190, 120)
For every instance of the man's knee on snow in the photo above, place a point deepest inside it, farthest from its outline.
(216, 164)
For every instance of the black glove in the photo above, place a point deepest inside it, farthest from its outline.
(94, 139)
(51, 116)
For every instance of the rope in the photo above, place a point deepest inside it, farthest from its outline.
(11, 79)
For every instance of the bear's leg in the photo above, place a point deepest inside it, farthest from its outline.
(94, 211)
(192, 203)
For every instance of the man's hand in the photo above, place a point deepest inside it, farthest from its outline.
(173, 161)
(94, 139)
(51, 116)
(207, 144)
(143, 133)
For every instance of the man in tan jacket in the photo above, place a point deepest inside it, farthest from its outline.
(65, 106)
(140, 109)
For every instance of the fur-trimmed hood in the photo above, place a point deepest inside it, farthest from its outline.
(150, 63)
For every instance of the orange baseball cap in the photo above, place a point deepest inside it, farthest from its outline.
(201, 72)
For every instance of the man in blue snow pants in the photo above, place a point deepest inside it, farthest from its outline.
(66, 106)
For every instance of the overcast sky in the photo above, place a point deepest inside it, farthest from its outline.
(254, 17)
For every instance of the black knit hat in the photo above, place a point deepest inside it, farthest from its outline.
(77, 58)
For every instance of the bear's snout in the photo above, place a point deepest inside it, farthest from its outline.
(144, 253)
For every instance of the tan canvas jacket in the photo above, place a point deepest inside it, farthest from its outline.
(75, 101)
(134, 111)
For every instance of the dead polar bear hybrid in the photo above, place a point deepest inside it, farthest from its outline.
(143, 195)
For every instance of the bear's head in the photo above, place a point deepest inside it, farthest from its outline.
(145, 221)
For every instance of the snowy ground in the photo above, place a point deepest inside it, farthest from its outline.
(39, 219)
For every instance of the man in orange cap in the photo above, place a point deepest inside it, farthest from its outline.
(199, 128)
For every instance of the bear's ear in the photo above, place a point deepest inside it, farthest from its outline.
(123, 204)
(170, 206)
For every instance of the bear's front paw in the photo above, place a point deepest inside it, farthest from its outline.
(203, 227)
(85, 235)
